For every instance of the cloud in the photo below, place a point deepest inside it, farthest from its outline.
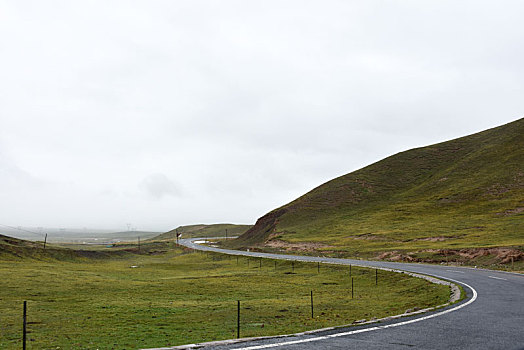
(158, 186)
(121, 108)
(13, 178)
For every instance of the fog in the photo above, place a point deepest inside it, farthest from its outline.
(164, 113)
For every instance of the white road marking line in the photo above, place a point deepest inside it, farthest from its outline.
(498, 278)
(266, 346)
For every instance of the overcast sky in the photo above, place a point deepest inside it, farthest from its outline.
(164, 113)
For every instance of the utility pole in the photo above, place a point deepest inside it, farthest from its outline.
(45, 240)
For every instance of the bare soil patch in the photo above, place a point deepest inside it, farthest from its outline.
(498, 255)
(433, 239)
(511, 212)
(370, 237)
(299, 247)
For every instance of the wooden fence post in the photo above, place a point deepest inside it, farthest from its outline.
(24, 331)
(312, 304)
(238, 318)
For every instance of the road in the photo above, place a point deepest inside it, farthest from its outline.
(491, 317)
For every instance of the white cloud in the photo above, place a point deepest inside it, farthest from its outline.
(158, 186)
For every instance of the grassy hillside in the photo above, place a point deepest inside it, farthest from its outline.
(458, 199)
(215, 230)
(18, 249)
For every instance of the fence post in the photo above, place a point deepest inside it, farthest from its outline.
(376, 277)
(312, 304)
(318, 266)
(24, 332)
(351, 287)
(238, 318)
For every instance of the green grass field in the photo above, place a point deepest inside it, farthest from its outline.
(182, 297)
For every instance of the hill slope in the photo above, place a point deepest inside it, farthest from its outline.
(14, 248)
(215, 230)
(19, 249)
(464, 193)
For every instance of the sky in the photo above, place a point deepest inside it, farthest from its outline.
(156, 114)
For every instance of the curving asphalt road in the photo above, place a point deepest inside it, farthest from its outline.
(491, 317)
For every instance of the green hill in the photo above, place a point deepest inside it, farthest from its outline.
(14, 249)
(19, 249)
(461, 199)
(214, 230)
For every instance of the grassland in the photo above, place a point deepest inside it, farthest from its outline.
(179, 297)
(461, 200)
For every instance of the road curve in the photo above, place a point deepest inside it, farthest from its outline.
(491, 317)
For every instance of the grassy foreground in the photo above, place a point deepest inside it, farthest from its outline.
(182, 297)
